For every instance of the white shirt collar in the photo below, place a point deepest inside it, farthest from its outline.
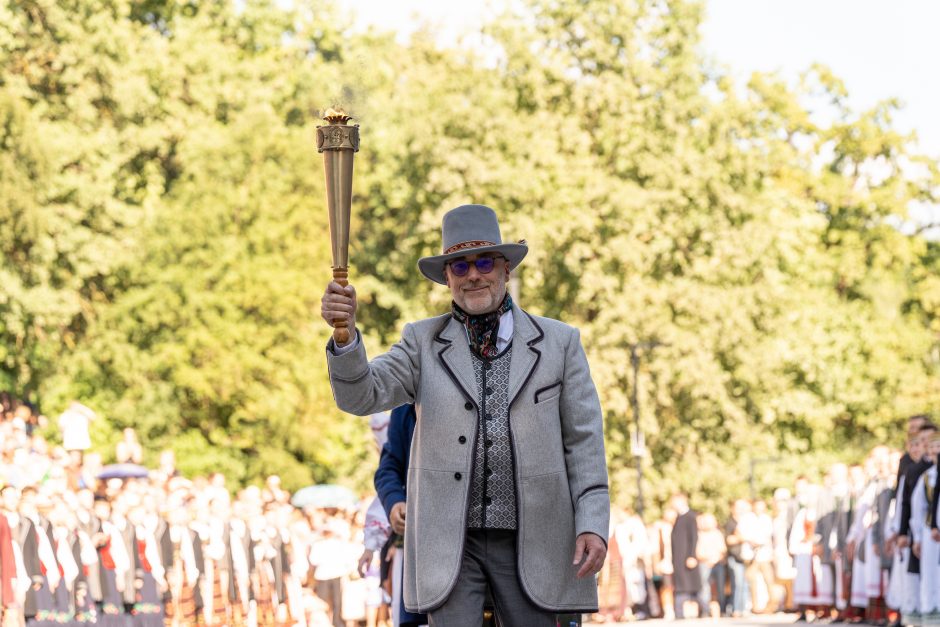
(504, 333)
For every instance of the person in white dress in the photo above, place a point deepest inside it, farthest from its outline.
(813, 584)
(927, 542)
(899, 555)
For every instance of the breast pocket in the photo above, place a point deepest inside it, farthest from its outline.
(547, 393)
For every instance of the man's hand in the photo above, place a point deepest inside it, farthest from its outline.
(339, 303)
(935, 534)
(364, 560)
(903, 542)
(397, 518)
(589, 551)
(916, 549)
(691, 562)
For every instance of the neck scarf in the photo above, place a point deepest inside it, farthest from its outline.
(483, 328)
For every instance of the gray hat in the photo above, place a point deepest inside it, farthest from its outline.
(470, 230)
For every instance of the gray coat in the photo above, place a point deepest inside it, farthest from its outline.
(558, 447)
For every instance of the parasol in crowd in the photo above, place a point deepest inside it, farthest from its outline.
(325, 495)
(123, 471)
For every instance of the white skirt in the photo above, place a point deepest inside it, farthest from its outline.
(895, 595)
(911, 601)
(813, 583)
(859, 589)
(929, 573)
(875, 576)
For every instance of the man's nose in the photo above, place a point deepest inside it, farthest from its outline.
(473, 273)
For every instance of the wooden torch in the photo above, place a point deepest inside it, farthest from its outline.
(339, 142)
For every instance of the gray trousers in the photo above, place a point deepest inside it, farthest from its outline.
(489, 557)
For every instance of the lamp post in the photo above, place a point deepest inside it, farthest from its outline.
(638, 443)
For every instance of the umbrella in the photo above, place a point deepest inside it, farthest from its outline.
(326, 495)
(123, 471)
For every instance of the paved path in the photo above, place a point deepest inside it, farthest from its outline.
(773, 620)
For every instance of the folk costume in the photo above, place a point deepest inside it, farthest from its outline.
(921, 521)
(910, 607)
(813, 584)
(507, 464)
(895, 593)
(115, 563)
(7, 567)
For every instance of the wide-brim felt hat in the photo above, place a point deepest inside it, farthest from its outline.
(470, 230)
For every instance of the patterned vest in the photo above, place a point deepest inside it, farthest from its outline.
(493, 485)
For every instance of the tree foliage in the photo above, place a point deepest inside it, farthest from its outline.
(165, 239)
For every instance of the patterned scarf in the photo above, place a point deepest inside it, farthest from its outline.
(482, 329)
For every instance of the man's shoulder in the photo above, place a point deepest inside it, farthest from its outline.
(430, 326)
(550, 326)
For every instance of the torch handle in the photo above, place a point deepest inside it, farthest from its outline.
(340, 332)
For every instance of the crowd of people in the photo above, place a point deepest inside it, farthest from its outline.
(859, 545)
(161, 549)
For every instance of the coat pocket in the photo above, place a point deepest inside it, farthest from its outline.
(547, 393)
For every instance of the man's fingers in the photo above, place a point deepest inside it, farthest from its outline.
(592, 562)
(578, 552)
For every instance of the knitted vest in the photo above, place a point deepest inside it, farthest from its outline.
(493, 485)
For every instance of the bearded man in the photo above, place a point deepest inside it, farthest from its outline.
(507, 480)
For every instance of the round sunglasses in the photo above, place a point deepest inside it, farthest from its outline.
(484, 265)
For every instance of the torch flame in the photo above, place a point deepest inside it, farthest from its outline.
(336, 116)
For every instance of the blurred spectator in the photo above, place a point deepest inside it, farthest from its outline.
(686, 577)
(74, 423)
(128, 450)
(711, 553)
(740, 553)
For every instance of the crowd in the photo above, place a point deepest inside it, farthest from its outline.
(859, 545)
(161, 549)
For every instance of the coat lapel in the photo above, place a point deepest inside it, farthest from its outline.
(456, 359)
(526, 336)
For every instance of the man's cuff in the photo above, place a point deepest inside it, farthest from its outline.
(392, 500)
(342, 350)
(592, 514)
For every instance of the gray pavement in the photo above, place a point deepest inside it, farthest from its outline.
(757, 620)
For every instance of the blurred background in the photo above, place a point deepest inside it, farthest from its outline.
(736, 202)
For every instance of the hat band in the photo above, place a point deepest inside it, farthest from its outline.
(466, 245)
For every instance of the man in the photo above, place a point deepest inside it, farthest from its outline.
(926, 543)
(833, 521)
(910, 603)
(740, 553)
(507, 477)
(391, 485)
(686, 576)
(914, 424)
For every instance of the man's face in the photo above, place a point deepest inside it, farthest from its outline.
(476, 292)
(933, 449)
(11, 499)
(916, 447)
(914, 426)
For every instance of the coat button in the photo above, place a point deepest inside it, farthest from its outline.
(458, 476)
(489, 416)
(468, 405)
(487, 365)
(489, 471)
(489, 501)
(489, 390)
(462, 439)
(489, 442)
